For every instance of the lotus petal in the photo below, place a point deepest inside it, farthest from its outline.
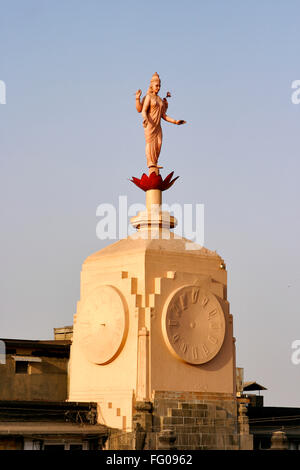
(154, 181)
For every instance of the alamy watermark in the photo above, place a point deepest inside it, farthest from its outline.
(295, 357)
(2, 92)
(2, 352)
(295, 96)
(114, 223)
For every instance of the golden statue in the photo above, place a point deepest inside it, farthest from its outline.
(153, 108)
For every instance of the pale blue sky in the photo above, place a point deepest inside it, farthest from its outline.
(71, 69)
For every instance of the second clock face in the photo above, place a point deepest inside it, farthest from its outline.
(103, 325)
(193, 325)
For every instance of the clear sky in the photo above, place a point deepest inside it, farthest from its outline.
(70, 138)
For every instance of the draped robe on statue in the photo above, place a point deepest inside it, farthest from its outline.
(153, 131)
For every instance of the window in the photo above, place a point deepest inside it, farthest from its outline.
(22, 367)
(27, 364)
(75, 447)
(54, 447)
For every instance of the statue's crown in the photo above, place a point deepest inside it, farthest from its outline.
(155, 76)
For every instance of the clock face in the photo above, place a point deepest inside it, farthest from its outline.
(193, 325)
(102, 325)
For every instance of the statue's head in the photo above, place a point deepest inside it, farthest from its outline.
(154, 84)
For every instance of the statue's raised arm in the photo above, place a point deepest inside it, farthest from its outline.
(153, 109)
(138, 102)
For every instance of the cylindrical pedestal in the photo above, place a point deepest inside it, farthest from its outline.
(153, 216)
(153, 197)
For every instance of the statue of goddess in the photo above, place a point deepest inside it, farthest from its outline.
(153, 108)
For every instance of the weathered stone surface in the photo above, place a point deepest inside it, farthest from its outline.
(207, 421)
(166, 439)
(279, 441)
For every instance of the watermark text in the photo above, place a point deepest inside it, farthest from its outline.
(295, 96)
(2, 352)
(295, 357)
(114, 221)
(2, 92)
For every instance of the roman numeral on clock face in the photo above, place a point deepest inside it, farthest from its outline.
(212, 314)
(183, 301)
(183, 347)
(205, 349)
(212, 339)
(195, 352)
(176, 309)
(195, 295)
(176, 338)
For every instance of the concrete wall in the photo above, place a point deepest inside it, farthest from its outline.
(45, 380)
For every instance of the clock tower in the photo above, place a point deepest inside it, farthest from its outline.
(153, 341)
(153, 338)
